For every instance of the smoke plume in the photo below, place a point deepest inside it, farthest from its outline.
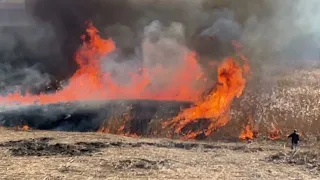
(269, 31)
(27, 53)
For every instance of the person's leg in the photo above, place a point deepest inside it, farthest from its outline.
(295, 146)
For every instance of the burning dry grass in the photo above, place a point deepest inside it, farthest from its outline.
(188, 82)
(292, 102)
(101, 156)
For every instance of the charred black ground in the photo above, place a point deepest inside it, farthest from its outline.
(90, 116)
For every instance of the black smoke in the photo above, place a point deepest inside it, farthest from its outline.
(209, 28)
(123, 20)
(68, 21)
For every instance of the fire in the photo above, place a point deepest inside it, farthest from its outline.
(90, 83)
(85, 84)
(25, 127)
(116, 123)
(214, 107)
(247, 132)
(274, 132)
(22, 128)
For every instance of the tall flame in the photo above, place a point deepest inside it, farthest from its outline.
(85, 84)
(216, 106)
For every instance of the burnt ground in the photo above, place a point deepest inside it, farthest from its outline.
(66, 155)
(88, 116)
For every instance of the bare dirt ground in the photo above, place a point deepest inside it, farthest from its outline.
(61, 155)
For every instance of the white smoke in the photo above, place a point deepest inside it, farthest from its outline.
(225, 28)
(163, 54)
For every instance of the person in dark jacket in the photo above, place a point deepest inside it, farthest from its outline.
(294, 139)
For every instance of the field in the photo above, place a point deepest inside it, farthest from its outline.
(60, 155)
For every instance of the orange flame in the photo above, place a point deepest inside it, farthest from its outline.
(274, 132)
(25, 128)
(247, 132)
(22, 128)
(90, 83)
(214, 107)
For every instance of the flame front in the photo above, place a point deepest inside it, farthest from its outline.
(90, 83)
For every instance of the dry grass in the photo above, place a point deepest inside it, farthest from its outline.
(116, 157)
(290, 100)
